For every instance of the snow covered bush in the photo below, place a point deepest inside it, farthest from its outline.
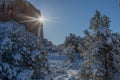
(21, 57)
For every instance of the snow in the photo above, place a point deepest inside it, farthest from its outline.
(103, 30)
(7, 70)
(115, 38)
(109, 41)
(116, 76)
(5, 65)
(17, 57)
(62, 68)
(6, 42)
(25, 75)
(34, 54)
(95, 51)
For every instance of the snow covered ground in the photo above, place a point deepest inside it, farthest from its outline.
(61, 68)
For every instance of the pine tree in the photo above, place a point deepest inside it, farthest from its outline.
(99, 64)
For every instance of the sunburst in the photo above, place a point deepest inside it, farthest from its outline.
(37, 19)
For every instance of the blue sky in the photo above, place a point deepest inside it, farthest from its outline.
(72, 16)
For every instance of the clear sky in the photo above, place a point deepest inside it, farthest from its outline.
(72, 16)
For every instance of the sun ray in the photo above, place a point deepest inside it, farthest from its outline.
(29, 19)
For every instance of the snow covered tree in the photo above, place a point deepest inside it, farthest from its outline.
(21, 57)
(85, 44)
(99, 21)
(72, 41)
(100, 63)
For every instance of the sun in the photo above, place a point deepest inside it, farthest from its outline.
(42, 19)
(37, 19)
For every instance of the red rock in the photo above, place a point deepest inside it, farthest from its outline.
(20, 11)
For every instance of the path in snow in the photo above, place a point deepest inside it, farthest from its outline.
(61, 68)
